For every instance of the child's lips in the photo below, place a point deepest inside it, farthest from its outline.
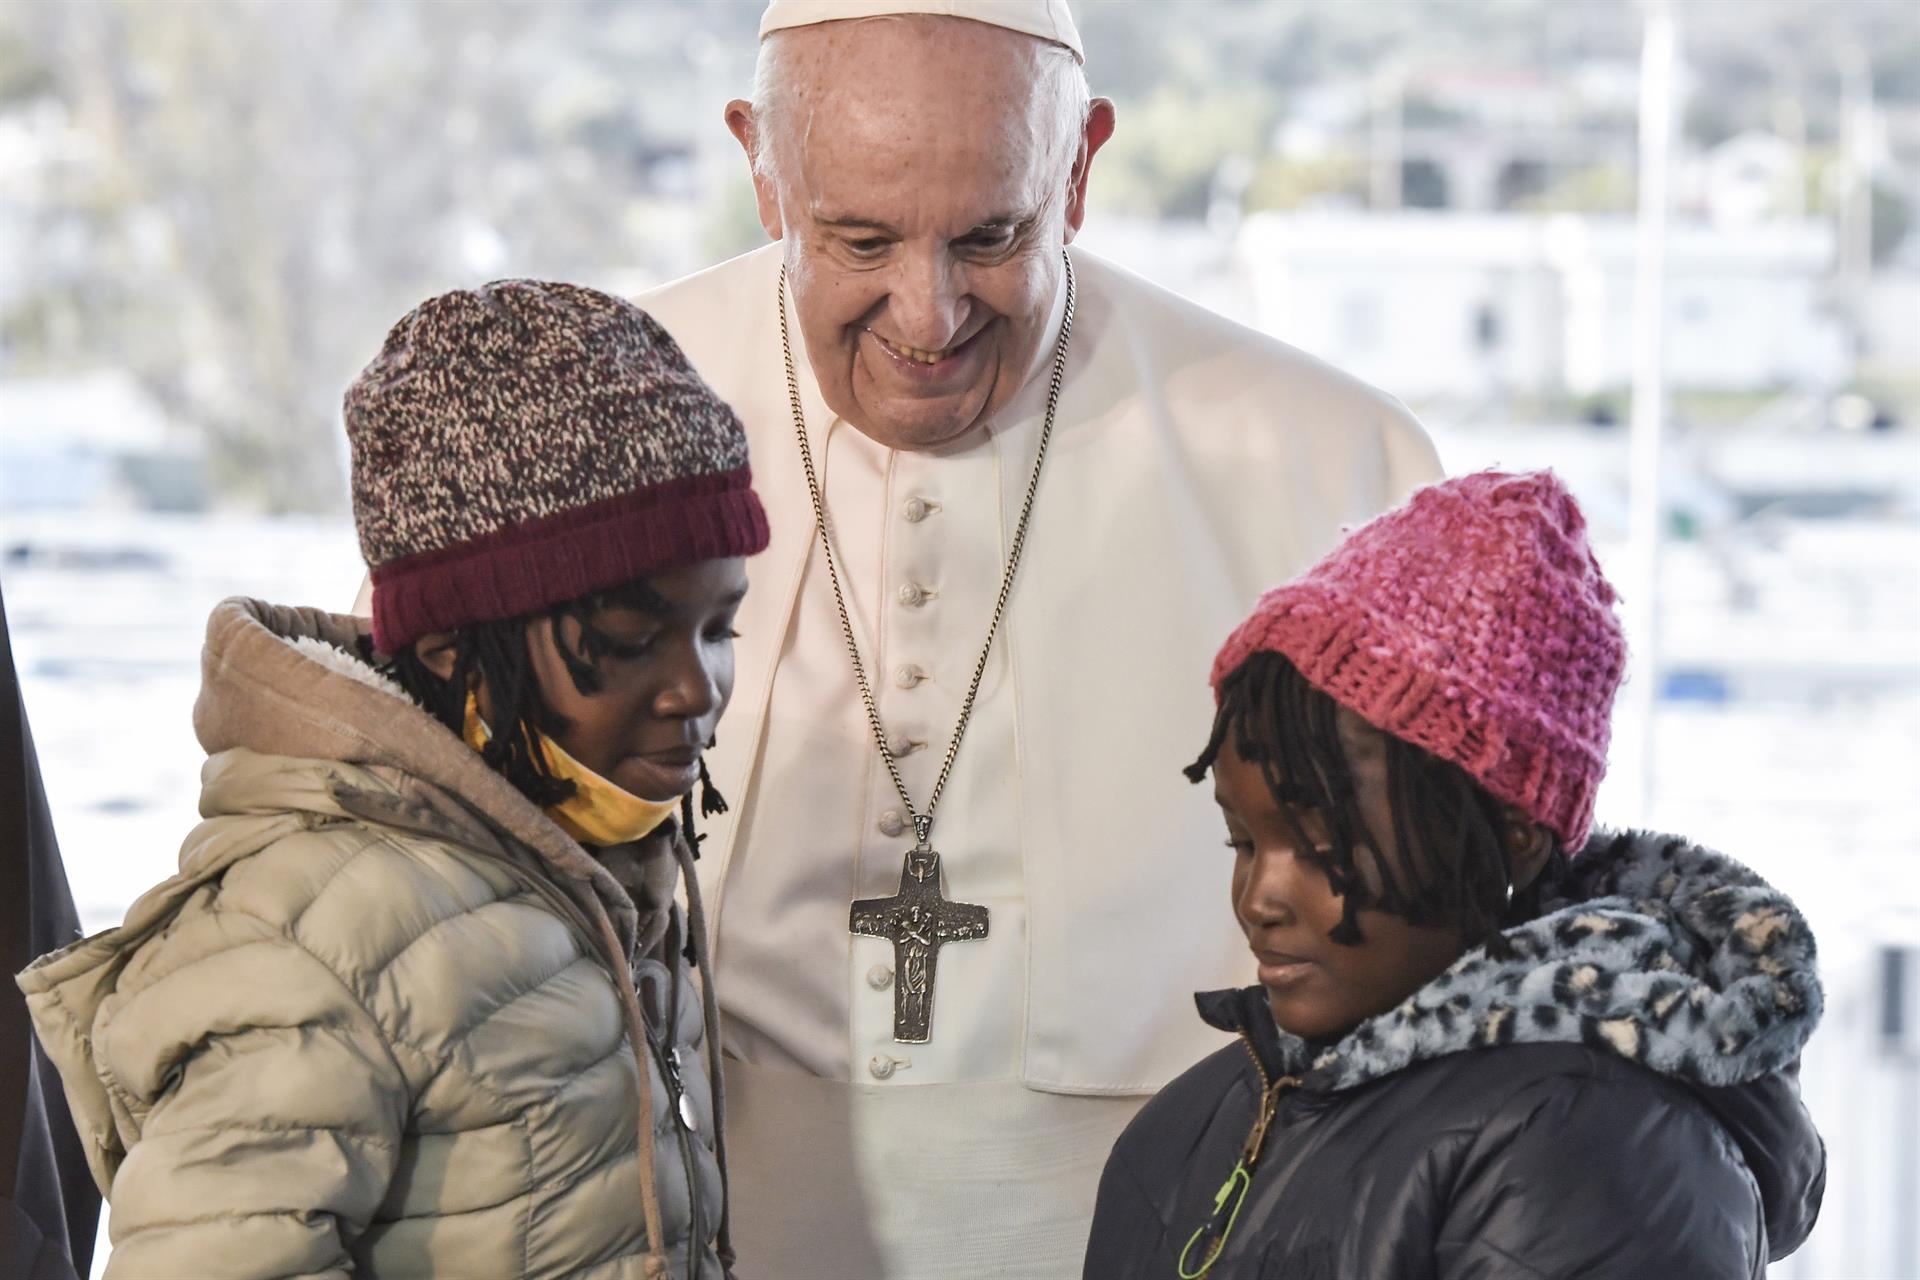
(664, 773)
(673, 757)
(1280, 969)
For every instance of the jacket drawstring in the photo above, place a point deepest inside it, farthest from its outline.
(710, 1011)
(656, 1260)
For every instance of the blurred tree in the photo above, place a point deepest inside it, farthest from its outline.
(1891, 220)
(1601, 188)
(1164, 159)
(1340, 177)
(260, 189)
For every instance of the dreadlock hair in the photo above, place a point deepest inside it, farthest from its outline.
(497, 653)
(1452, 866)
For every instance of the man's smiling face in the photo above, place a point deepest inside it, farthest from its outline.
(923, 188)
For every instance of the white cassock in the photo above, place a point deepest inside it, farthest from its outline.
(1194, 464)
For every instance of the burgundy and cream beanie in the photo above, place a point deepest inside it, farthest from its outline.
(1473, 622)
(524, 444)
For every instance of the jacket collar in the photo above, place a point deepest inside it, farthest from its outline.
(1648, 947)
(287, 682)
(1644, 947)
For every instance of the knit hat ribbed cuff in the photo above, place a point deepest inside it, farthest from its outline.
(1365, 664)
(544, 562)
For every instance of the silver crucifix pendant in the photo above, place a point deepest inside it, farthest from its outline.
(918, 921)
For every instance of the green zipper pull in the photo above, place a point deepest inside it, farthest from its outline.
(1212, 1235)
(1226, 1211)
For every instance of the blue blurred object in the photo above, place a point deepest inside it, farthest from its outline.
(1694, 686)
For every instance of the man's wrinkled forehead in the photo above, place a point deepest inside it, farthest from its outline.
(912, 59)
(900, 98)
(881, 163)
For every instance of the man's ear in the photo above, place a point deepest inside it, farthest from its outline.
(1528, 846)
(437, 654)
(745, 127)
(1100, 121)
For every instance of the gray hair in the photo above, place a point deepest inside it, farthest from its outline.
(1061, 71)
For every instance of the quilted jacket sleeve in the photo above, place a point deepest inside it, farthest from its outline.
(1602, 1177)
(270, 1109)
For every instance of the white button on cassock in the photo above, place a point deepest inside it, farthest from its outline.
(901, 745)
(880, 977)
(913, 595)
(892, 823)
(908, 676)
(916, 510)
(879, 1066)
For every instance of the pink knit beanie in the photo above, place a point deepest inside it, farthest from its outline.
(1473, 622)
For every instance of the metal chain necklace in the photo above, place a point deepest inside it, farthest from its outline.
(917, 920)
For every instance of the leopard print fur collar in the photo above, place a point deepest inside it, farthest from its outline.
(1648, 947)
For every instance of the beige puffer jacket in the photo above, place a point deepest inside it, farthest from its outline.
(380, 1022)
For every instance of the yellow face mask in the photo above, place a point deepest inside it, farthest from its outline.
(598, 812)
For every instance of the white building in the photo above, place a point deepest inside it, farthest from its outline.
(1432, 305)
(1749, 178)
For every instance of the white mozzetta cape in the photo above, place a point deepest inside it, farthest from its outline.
(1194, 464)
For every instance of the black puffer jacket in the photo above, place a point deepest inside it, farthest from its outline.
(1615, 1099)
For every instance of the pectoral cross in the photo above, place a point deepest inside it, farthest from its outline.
(917, 921)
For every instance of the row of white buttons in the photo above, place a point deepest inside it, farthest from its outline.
(893, 823)
(913, 596)
(881, 1066)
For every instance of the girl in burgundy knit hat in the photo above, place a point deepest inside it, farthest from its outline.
(1486, 1041)
(419, 1001)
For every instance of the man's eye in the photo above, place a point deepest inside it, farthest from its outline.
(867, 246)
(989, 242)
(716, 634)
(1242, 847)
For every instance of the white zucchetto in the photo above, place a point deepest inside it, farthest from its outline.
(1044, 19)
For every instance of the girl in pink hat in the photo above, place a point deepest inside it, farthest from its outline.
(1486, 1041)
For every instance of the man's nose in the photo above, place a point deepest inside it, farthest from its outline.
(928, 304)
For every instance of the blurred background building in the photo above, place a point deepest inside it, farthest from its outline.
(211, 210)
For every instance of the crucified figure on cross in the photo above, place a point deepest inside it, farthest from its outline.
(918, 921)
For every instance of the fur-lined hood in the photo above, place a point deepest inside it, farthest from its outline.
(280, 681)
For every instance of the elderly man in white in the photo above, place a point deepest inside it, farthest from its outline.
(963, 894)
